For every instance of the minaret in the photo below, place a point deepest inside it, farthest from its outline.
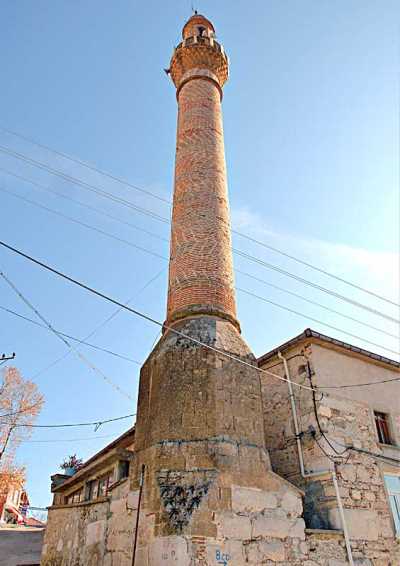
(199, 432)
(201, 273)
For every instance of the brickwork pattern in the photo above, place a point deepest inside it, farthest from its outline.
(201, 271)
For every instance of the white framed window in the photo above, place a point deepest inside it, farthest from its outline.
(392, 484)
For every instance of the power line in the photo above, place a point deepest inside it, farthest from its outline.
(145, 250)
(101, 325)
(83, 184)
(247, 237)
(143, 315)
(78, 354)
(148, 232)
(316, 320)
(315, 285)
(84, 224)
(315, 268)
(94, 346)
(67, 425)
(155, 216)
(83, 204)
(352, 385)
(315, 303)
(88, 166)
(163, 219)
(58, 440)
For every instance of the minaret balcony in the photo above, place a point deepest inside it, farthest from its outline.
(199, 53)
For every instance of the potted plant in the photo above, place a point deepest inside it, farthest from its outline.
(71, 465)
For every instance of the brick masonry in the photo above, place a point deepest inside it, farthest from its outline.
(201, 272)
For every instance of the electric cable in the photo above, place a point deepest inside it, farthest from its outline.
(297, 295)
(83, 204)
(149, 233)
(58, 440)
(237, 232)
(78, 354)
(94, 346)
(143, 315)
(84, 224)
(314, 285)
(145, 250)
(352, 385)
(101, 325)
(298, 313)
(97, 424)
(156, 216)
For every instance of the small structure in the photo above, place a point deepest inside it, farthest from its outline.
(14, 505)
(91, 511)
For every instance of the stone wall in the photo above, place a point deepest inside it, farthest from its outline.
(344, 421)
(95, 533)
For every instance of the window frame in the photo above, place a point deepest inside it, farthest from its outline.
(384, 437)
(393, 500)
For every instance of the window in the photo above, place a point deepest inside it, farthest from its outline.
(104, 483)
(382, 427)
(393, 486)
(93, 489)
(123, 469)
(75, 497)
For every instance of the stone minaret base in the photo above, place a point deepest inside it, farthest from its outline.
(209, 494)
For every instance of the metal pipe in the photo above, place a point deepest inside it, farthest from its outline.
(141, 482)
(307, 475)
(342, 518)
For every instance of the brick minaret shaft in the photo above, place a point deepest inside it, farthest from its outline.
(201, 273)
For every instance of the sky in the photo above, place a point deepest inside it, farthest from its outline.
(311, 136)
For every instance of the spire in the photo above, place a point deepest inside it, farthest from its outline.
(201, 274)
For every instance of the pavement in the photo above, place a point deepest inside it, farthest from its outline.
(20, 546)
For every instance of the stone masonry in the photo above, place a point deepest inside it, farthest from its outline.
(345, 420)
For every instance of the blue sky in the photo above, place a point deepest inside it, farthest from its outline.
(311, 132)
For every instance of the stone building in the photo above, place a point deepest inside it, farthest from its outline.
(93, 515)
(202, 487)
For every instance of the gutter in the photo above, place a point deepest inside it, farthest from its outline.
(308, 475)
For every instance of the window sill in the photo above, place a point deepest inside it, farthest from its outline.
(390, 446)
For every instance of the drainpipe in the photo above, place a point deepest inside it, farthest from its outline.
(307, 475)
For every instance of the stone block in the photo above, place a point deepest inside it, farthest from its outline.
(297, 530)
(251, 500)
(274, 551)
(118, 506)
(356, 494)
(325, 411)
(362, 524)
(95, 532)
(234, 526)
(132, 500)
(226, 552)
(271, 527)
(292, 503)
(169, 551)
